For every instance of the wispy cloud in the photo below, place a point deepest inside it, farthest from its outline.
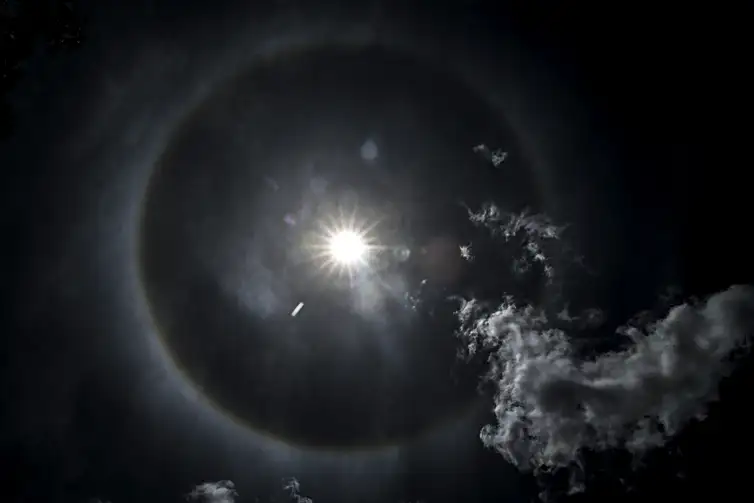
(532, 233)
(293, 488)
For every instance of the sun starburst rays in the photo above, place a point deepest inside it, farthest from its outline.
(344, 246)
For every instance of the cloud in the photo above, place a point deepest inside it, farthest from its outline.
(534, 234)
(223, 491)
(551, 405)
(293, 488)
(510, 225)
(496, 157)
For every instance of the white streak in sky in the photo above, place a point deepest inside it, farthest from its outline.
(297, 309)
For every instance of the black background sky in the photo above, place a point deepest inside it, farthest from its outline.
(630, 123)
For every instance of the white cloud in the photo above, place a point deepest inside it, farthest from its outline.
(293, 488)
(223, 491)
(550, 405)
(496, 156)
(533, 233)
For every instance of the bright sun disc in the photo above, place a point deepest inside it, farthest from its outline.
(347, 247)
(344, 245)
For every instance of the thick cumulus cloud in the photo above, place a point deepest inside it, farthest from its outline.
(551, 405)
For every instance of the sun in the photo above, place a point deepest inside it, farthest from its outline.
(347, 247)
(344, 245)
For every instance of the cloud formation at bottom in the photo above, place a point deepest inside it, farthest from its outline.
(223, 491)
(551, 404)
(293, 488)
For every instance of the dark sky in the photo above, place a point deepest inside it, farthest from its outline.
(156, 150)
